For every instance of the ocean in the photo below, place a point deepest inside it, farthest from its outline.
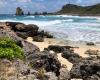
(67, 27)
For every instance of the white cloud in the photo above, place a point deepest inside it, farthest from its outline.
(24, 1)
(79, 1)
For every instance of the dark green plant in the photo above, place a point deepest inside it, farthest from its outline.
(9, 49)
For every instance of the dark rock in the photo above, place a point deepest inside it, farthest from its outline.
(66, 54)
(56, 48)
(29, 48)
(45, 34)
(85, 69)
(29, 30)
(71, 57)
(60, 49)
(94, 77)
(38, 39)
(41, 33)
(22, 29)
(19, 11)
(46, 60)
(23, 35)
(69, 47)
(12, 24)
(90, 44)
(48, 35)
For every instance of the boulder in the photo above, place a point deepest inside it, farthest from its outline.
(12, 24)
(56, 48)
(92, 52)
(46, 60)
(48, 35)
(28, 30)
(38, 39)
(64, 74)
(41, 33)
(23, 35)
(90, 44)
(86, 69)
(22, 29)
(29, 48)
(71, 57)
(10, 34)
(61, 49)
(50, 76)
(15, 70)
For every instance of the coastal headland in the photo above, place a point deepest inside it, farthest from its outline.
(45, 57)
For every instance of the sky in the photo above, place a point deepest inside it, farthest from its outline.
(9, 6)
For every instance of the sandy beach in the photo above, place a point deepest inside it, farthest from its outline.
(81, 50)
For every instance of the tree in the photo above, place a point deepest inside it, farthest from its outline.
(19, 11)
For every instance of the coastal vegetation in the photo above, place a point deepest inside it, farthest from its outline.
(9, 49)
(42, 65)
(67, 9)
(81, 10)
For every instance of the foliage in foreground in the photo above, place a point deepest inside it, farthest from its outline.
(9, 49)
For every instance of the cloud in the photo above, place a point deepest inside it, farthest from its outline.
(9, 6)
(79, 1)
(24, 1)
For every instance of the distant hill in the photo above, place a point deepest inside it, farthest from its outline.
(80, 10)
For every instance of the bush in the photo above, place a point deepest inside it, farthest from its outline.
(9, 49)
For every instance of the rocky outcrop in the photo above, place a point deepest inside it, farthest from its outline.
(23, 30)
(86, 70)
(46, 60)
(93, 52)
(50, 76)
(60, 49)
(56, 48)
(29, 48)
(19, 11)
(38, 39)
(30, 30)
(48, 35)
(10, 34)
(45, 65)
(64, 74)
(71, 57)
(16, 70)
(90, 44)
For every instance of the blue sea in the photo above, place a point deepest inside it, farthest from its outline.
(67, 27)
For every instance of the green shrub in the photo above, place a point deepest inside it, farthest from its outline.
(9, 49)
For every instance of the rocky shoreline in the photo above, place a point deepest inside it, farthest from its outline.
(44, 65)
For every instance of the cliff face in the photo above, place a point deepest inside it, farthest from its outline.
(19, 11)
(75, 9)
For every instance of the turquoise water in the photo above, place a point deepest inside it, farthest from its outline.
(73, 28)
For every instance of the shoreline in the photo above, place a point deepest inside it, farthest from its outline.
(60, 55)
(80, 51)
